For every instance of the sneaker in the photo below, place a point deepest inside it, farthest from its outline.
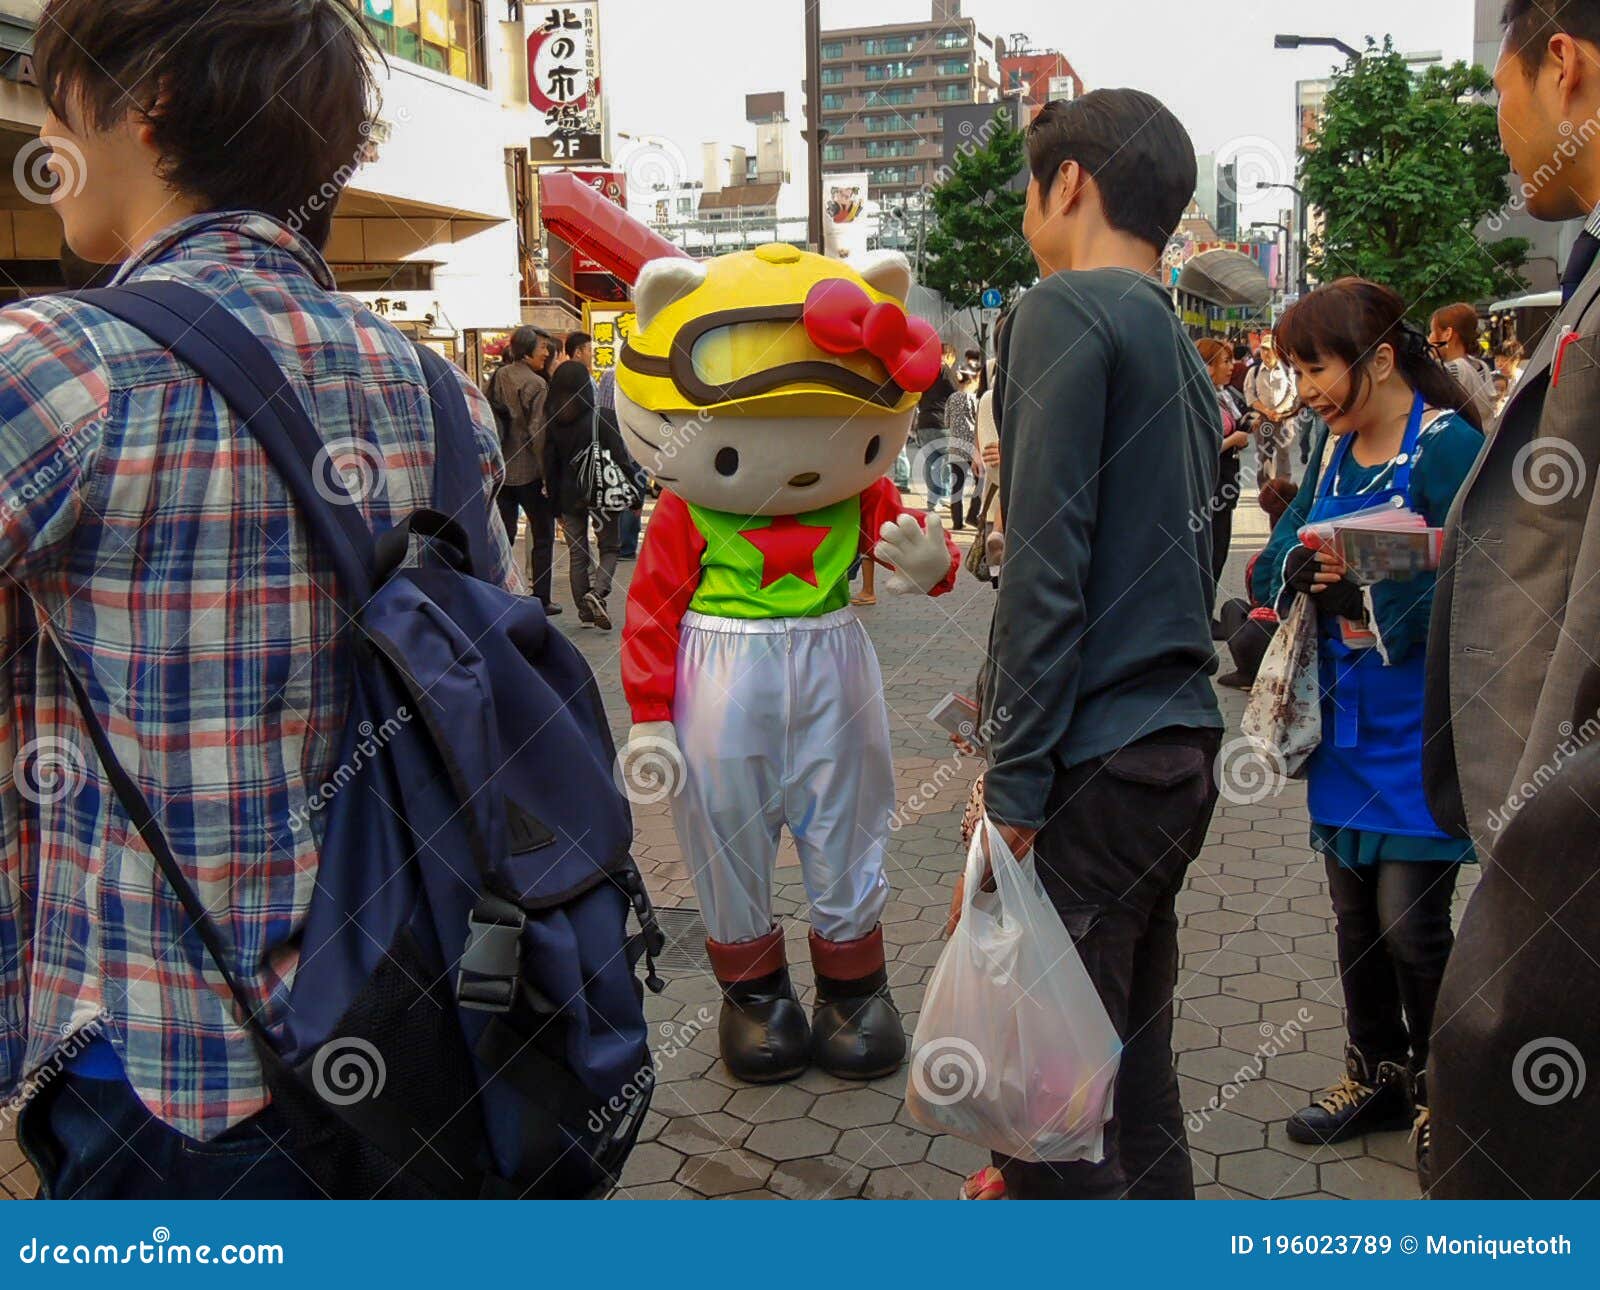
(550, 611)
(594, 610)
(1421, 1136)
(1362, 1102)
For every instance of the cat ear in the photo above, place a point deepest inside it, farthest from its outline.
(660, 283)
(887, 271)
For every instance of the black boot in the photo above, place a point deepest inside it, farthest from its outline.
(956, 522)
(1364, 1101)
(1420, 1134)
(855, 1029)
(762, 1031)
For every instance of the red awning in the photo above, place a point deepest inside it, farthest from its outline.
(582, 218)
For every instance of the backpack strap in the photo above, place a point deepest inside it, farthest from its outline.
(207, 336)
(457, 468)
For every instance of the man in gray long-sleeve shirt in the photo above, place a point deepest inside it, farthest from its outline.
(1105, 723)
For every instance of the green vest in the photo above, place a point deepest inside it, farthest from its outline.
(794, 566)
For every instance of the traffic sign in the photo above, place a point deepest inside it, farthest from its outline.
(991, 298)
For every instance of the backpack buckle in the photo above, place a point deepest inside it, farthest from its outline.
(491, 964)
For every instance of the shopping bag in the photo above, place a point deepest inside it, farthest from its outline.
(1014, 1050)
(1284, 716)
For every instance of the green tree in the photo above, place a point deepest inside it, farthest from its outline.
(1404, 168)
(976, 238)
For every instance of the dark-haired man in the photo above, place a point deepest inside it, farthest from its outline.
(580, 348)
(518, 391)
(171, 571)
(1513, 691)
(1106, 725)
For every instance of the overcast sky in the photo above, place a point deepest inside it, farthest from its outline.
(681, 71)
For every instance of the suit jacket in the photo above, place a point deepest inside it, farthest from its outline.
(1513, 744)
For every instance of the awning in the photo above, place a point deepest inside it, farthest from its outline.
(1538, 300)
(1227, 278)
(582, 218)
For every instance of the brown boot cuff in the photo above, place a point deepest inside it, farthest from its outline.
(848, 960)
(747, 960)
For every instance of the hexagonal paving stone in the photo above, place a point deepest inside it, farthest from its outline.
(1218, 1065)
(725, 1172)
(957, 1155)
(1188, 1035)
(792, 1139)
(1222, 921)
(1221, 962)
(1304, 1014)
(860, 1106)
(656, 1191)
(691, 1097)
(769, 1102)
(883, 1144)
(1221, 1132)
(1291, 924)
(1309, 1071)
(1267, 1174)
(699, 1135)
(1263, 1037)
(825, 1178)
(1262, 989)
(1256, 903)
(1192, 985)
(1321, 1152)
(1366, 1178)
(650, 1163)
(1296, 966)
(1266, 1100)
(920, 1181)
(1219, 1010)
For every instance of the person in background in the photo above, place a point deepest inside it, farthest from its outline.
(1513, 687)
(580, 348)
(1218, 359)
(1405, 434)
(1249, 626)
(1509, 358)
(1269, 393)
(1241, 365)
(517, 394)
(930, 407)
(1454, 336)
(572, 422)
(1502, 390)
(1100, 771)
(961, 442)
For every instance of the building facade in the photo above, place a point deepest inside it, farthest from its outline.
(1036, 76)
(883, 89)
(430, 232)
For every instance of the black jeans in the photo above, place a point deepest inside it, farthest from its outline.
(532, 500)
(1221, 540)
(586, 573)
(1121, 833)
(1248, 637)
(93, 1140)
(1393, 929)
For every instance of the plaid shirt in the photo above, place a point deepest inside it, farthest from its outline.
(165, 554)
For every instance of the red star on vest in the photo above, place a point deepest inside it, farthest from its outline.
(787, 547)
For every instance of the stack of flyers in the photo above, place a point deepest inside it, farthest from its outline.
(1390, 541)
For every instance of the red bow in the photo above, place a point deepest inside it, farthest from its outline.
(841, 318)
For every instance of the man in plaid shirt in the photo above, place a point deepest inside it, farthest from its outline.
(161, 556)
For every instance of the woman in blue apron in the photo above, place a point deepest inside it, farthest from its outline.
(1395, 437)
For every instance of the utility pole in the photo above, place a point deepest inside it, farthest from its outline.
(814, 121)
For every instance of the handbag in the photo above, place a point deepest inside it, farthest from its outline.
(602, 482)
(1284, 716)
(976, 560)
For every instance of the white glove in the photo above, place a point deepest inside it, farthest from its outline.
(919, 557)
(650, 768)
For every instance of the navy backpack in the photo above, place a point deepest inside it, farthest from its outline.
(467, 1020)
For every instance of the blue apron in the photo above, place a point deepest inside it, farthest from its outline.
(1367, 771)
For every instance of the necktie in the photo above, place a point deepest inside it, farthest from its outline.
(1578, 263)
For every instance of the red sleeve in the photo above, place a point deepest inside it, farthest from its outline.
(880, 504)
(664, 582)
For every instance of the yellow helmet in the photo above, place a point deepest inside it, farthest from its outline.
(777, 332)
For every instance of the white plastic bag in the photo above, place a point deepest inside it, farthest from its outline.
(1013, 1050)
(1283, 718)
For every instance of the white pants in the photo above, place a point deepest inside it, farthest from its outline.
(782, 721)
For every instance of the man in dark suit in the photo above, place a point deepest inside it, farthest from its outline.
(1513, 693)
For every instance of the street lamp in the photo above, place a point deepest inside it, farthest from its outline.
(1299, 244)
(1288, 235)
(1301, 42)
